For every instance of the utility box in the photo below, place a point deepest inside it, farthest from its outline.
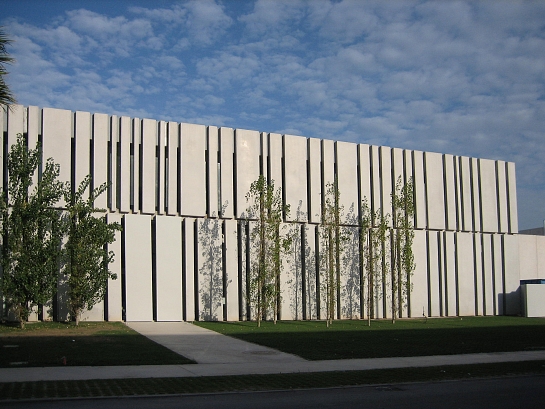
(533, 298)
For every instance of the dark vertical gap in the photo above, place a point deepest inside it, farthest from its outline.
(440, 271)
(109, 164)
(220, 203)
(5, 153)
(179, 173)
(207, 172)
(443, 269)
(224, 269)
(141, 166)
(456, 274)
(247, 276)
(92, 156)
(196, 269)
(415, 221)
(166, 193)
(132, 170)
(317, 268)
(503, 292)
(483, 276)
(157, 206)
(337, 255)
(508, 198)
(261, 152)
(269, 158)
(475, 271)
(123, 275)
(184, 273)
(73, 181)
(322, 178)
(106, 311)
(456, 192)
(239, 267)
(480, 195)
(303, 252)
(472, 188)
(428, 261)
(118, 169)
(445, 192)
(235, 204)
(154, 267)
(462, 198)
(309, 184)
(493, 255)
(426, 190)
(498, 203)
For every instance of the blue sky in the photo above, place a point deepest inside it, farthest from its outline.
(466, 78)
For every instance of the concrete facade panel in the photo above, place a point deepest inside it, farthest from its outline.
(512, 198)
(502, 196)
(193, 150)
(386, 180)
(419, 190)
(188, 269)
(465, 272)
(476, 195)
(350, 276)
(101, 135)
(161, 177)
(82, 141)
(450, 192)
(114, 310)
(227, 151)
(230, 256)
(210, 270)
(315, 180)
(212, 152)
(532, 297)
(347, 169)
(528, 257)
(274, 166)
(16, 122)
(149, 166)
(497, 277)
(435, 190)
(365, 174)
(310, 270)
(138, 268)
(466, 194)
(247, 152)
(450, 274)
(57, 141)
(511, 273)
(488, 275)
(291, 276)
(540, 253)
(478, 273)
(419, 279)
(434, 272)
(168, 268)
(489, 211)
(124, 198)
(295, 177)
(173, 138)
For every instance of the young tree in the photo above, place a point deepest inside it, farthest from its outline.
(87, 258)
(402, 235)
(270, 245)
(32, 231)
(6, 97)
(332, 239)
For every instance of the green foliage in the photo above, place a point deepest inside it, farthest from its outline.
(270, 244)
(332, 239)
(6, 97)
(87, 258)
(402, 235)
(32, 231)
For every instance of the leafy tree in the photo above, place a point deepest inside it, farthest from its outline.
(32, 231)
(270, 245)
(402, 236)
(332, 239)
(87, 258)
(6, 97)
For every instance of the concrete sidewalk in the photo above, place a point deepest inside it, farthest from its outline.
(219, 355)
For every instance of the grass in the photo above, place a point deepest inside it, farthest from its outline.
(89, 344)
(416, 337)
(163, 386)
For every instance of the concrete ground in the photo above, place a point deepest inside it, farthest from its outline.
(219, 355)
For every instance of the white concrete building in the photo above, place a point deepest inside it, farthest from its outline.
(179, 191)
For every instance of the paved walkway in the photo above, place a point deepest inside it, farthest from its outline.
(218, 355)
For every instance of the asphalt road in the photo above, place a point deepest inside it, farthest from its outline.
(515, 392)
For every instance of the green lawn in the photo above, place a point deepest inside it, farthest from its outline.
(416, 337)
(92, 343)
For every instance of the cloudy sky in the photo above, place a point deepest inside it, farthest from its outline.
(466, 78)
